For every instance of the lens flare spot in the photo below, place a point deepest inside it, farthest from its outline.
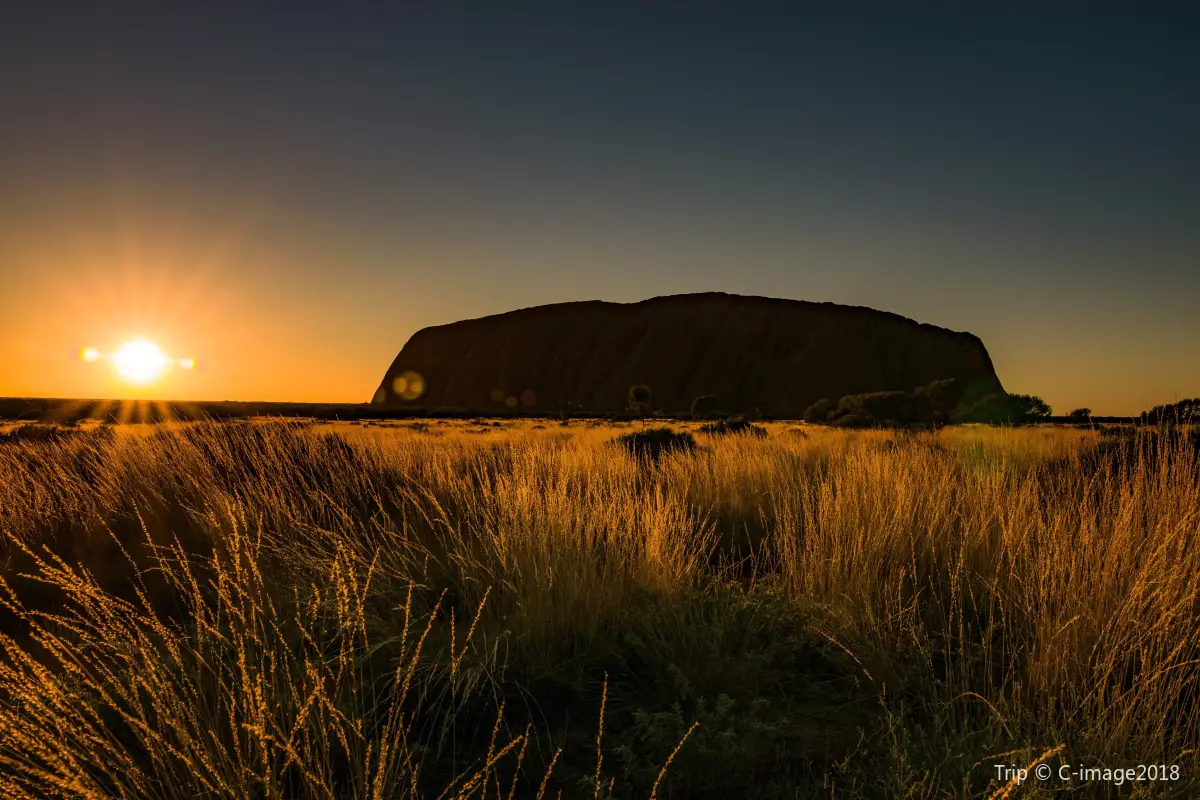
(187, 363)
(497, 395)
(409, 386)
(89, 354)
(529, 397)
(510, 401)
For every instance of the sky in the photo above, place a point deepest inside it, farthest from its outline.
(287, 193)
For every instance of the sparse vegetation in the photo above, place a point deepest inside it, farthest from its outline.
(819, 411)
(925, 406)
(294, 611)
(891, 409)
(1003, 409)
(31, 432)
(656, 442)
(639, 401)
(1079, 415)
(735, 425)
(703, 406)
(1184, 412)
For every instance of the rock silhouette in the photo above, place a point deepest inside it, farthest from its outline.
(750, 353)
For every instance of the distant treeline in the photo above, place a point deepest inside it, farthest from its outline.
(939, 403)
(71, 411)
(1185, 412)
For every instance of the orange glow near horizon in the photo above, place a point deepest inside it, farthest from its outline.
(238, 317)
(215, 295)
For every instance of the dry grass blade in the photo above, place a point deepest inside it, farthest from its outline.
(1008, 788)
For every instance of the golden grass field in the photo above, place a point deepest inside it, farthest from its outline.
(520, 609)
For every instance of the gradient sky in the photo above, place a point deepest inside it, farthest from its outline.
(288, 196)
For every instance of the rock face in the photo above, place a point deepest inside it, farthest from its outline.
(749, 352)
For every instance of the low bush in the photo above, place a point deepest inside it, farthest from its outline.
(819, 411)
(741, 427)
(41, 433)
(656, 442)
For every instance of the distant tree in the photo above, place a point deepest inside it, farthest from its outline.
(1001, 408)
(703, 405)
(819, 411)
(1080, 415)
(1030, 407)
(1184, 412)
(639, 400)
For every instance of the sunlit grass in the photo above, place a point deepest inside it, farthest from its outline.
(342, 610)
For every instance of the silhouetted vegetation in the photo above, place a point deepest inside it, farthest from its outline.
(925, 406)
(656, 442)
(929, 404)
(1031, 407)
(1004, 409)
(820, 411)
(1184, 412)
(639, 401)
(40, 433)
(639, 397)
(734, 425)
(1079, 415)
(936, 401)
(941, 402)
(889, 409)
(703, 406)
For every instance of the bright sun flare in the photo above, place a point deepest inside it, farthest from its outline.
(140, 362)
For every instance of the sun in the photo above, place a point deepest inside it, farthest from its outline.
(140, 362)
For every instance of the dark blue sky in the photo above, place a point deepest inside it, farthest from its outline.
(305, 189)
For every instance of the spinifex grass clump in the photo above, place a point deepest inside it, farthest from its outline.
(258, 610)
(654, 443)
(740, 426)
(266, 691)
